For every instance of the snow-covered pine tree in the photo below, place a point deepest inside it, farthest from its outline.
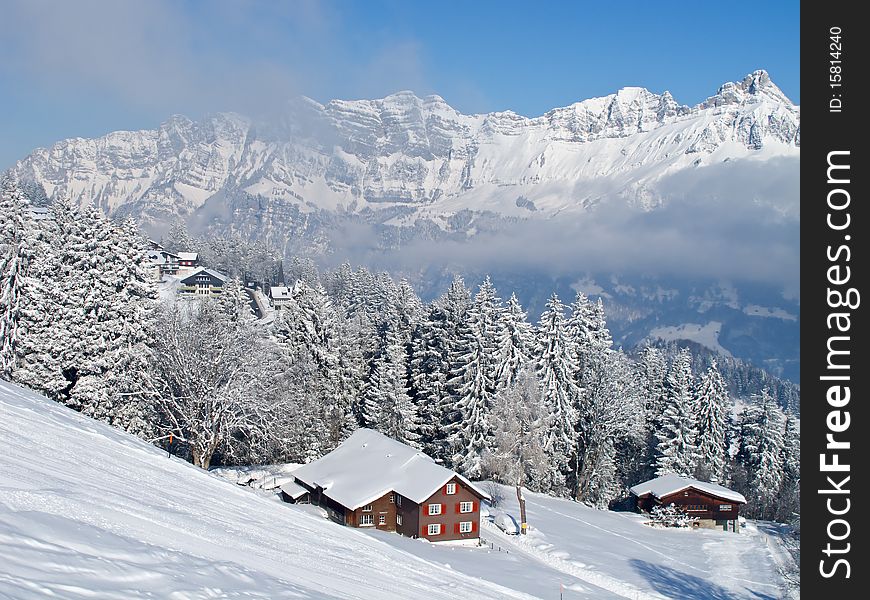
(587, 328)
(408, 309)
(129, 334)
(429, 371)
(178, 239)
(16, 252)
(515, 344)
(387, 405)
(234, 301)
(610, 418)
(653, 369)
(108, 301)
(761, 452)
(455, 303)
(609, 412)
(652, 372)
(789, 503)
(474, 380)
(676, 434)
(87, 316)
(41, 339)
(712, 422)
(306, 329)
(556, 369)
(339, 285)
(352, 371)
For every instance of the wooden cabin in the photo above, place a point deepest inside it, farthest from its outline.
(715, 506)
(371, 480)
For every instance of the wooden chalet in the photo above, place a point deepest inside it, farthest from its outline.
(371, 480)
(713, 505)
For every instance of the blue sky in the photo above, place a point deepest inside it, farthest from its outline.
(92, 66)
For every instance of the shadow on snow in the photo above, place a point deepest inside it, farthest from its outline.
(676, 584)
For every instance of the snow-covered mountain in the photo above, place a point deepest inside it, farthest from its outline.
(422, 153)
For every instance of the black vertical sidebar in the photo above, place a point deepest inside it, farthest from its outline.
(834, 337)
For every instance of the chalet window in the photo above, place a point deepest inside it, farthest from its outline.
(451, 488)
(435, 529)
(367, 508)
(382, 520)
(366, 520)
(392, 498)
(398, 501)
(434, 509)
(724, 507)
(465, 527)
(466, 507)
(398, 519)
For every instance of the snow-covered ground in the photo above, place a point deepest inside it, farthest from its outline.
(89, 512)
(617, 552)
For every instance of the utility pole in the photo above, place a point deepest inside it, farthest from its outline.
(522, 500)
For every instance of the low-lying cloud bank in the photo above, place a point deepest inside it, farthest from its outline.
(736, 221)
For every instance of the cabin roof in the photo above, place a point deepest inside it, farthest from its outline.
(279, 292)
(671, 484)
(369, 464)
(293, 489)
(188, 255)
(219, 276)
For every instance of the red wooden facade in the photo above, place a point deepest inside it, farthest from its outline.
(457, 516)
(451, 513)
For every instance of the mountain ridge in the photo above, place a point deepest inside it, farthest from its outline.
(421, 152)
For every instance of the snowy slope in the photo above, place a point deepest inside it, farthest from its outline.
(617, 552)
(423, 154)
(87, 511)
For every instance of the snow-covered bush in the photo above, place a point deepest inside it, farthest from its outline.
(671, 516)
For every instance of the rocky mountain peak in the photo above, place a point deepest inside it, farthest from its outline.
(755, 87)
(418, 152)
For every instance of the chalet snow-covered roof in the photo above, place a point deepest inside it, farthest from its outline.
(671, 484)
(368, 465)
(188, 256)
(219, 276)
(160, 257)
